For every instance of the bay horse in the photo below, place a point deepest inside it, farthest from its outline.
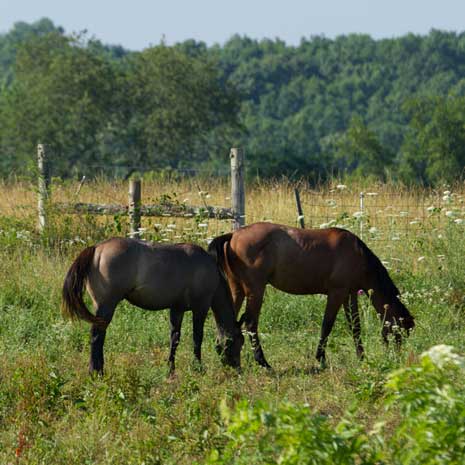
(152, 277)
(329, 261)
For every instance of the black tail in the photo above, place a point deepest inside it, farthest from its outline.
(73, 288)
(216, 250)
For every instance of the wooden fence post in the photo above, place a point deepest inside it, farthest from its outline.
(362, 205)
(299, 208)
(134, 207)
(43, 188)
(237, 187)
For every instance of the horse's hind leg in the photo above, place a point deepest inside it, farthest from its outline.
(336, 298)
(250, 317)
(176, 316)
(237, 294)
(97, 338)
(353, 319)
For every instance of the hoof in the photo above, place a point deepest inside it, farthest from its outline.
(323, 364)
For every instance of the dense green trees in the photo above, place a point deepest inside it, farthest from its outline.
(349, 105)
(174, 102)
(434, 147)
(61, 95)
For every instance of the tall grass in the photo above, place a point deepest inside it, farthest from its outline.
(52, 412)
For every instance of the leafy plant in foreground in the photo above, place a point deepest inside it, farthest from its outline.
(431, 430)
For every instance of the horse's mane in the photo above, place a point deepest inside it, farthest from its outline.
(382, 278)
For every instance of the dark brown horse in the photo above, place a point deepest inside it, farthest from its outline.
(151, 276)
(330, 261)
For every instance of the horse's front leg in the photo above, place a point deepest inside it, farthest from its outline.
(97, 339)
(250, 318)
(198, 322)
(336, 298)
(176, 316)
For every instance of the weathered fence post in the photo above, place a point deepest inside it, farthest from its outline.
(237, 187)
(299, 208)
(362, 213)
(43, 188)
(134, 206)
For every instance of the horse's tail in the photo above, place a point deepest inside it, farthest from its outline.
(216, 250)
(381, 281)
(73, 288)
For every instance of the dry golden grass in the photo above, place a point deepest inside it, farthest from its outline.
(394, 220)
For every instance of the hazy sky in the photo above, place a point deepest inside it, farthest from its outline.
(136, 24)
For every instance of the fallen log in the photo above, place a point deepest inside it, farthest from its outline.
(165, 209)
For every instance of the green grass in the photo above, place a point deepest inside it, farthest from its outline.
(52, 412)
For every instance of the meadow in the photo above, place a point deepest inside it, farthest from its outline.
(52, 412)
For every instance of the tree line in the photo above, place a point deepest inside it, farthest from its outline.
(390, 108)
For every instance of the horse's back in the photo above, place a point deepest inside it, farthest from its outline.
(153, 276)
(299, 261)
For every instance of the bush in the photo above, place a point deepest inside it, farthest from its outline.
(431, 400)
(287, 435)
(429, 396)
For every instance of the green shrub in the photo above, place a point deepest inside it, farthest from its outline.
(289, 435)
(428, 399)
(431, 398)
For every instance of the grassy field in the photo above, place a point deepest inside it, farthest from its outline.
(52, 412)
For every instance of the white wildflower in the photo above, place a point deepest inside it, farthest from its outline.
(431, 208)
(357, 214)
(341, 187)
(442, 355)
(450, 213)
(459, 221)
(420, 259)
(328, 224)
(373, 230)
(203, 225)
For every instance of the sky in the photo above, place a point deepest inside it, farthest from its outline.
(137, 24)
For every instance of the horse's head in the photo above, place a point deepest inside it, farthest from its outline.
(230, 348)
(397, 320)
